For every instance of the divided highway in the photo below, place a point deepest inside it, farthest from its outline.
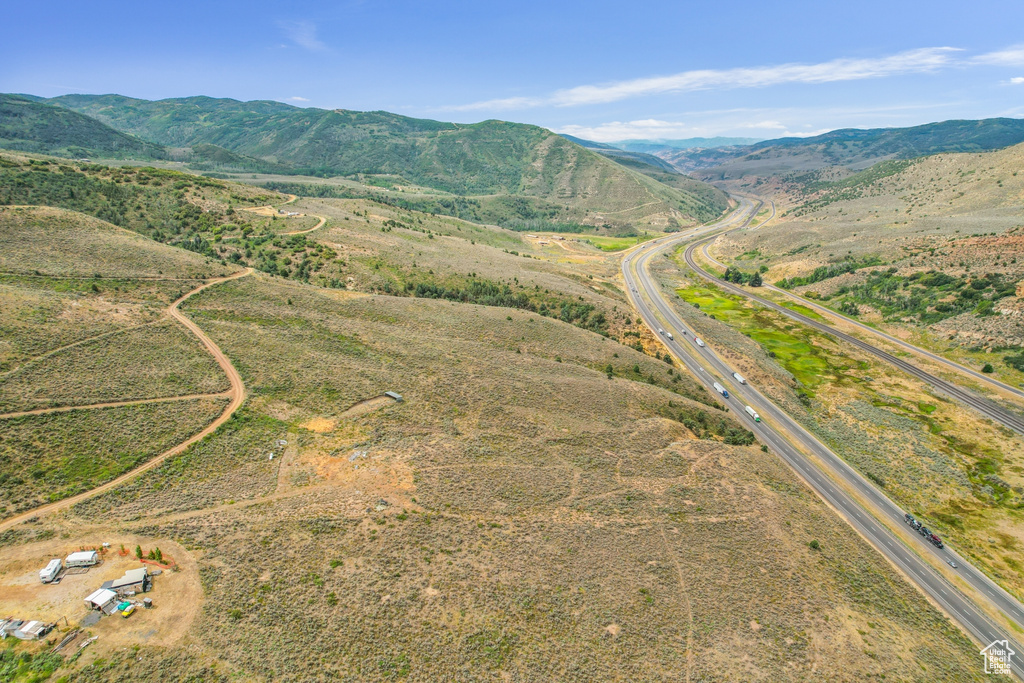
(824, 471)
(957, 393)
(878, 333)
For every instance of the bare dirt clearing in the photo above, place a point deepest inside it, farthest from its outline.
(177, 595)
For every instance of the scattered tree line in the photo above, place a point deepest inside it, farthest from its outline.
(736, 275)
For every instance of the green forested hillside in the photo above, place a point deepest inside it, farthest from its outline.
(32, 126)
(487, 158)
(853, 147)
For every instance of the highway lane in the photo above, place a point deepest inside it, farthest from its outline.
(1002, 386)
(957, 393)
(704, 364)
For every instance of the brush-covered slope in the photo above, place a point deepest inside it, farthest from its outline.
(541, 520)
(491, 157)
(32, 126)
(856, 148)
(933, 243)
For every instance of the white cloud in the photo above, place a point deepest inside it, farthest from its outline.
(298, 99)
(630, 130)
(1011, 56)
(303, 34)
(655, 129)
(913, 61)
(1017, 80)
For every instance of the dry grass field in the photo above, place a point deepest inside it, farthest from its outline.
(152, 361)
(56, 242)
(48, 457)
(519, 515)
(546, 503)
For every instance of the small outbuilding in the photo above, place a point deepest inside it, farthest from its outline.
(102, 599)
(9, 626)
(394, 395)
(83, 558)
(32, 630)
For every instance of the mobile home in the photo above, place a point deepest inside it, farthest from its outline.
(84, 558)
(50, 571)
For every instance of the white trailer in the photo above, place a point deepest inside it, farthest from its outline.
(753, 413)
(720, 389)
(698, 342)
(83, 558)
(739, 378)
(50, 571)
(669, 335)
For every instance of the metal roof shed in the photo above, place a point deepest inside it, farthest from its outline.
(394, 395)
(83, 558)
(100, 598)
(32, 630)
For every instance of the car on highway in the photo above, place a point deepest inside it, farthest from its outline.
(661, 331)
(952, 564)
(669, 335)
(698, 342)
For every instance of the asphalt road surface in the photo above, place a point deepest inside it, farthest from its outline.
(957, 393)
(777, 428)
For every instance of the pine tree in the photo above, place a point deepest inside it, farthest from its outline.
(755, 280)
(138, 551)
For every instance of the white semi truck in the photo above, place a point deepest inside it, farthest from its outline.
(753, 413)
(720, 389)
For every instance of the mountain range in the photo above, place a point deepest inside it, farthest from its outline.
(558, 179)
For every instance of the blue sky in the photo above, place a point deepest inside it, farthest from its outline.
(602, 70)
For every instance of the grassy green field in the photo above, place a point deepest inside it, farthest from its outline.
(605, 243)
(797, 349)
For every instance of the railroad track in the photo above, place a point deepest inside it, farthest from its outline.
(957, 393)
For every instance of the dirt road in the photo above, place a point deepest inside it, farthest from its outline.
(236, 393)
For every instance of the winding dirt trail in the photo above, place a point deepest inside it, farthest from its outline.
(270, 210)
(302, 232)
(236, 393)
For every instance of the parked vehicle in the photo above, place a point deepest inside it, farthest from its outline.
(720, 389)
(50, 571)
(698, 342)
(128, 611)
(753, 413)
(739, 378)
